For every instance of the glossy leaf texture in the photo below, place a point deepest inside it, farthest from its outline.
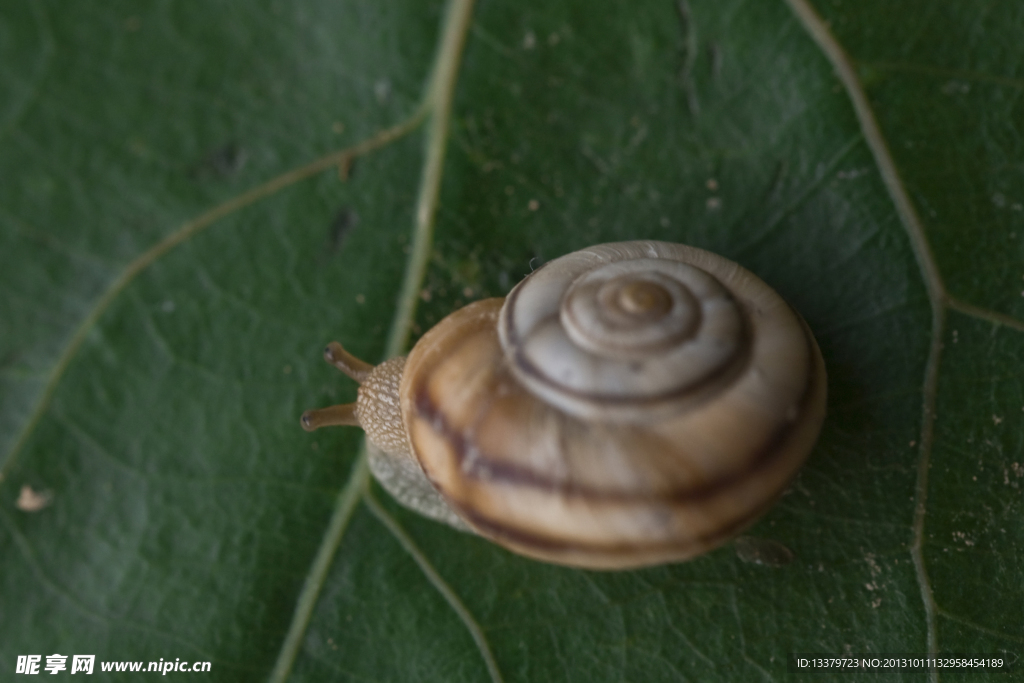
(174, 507)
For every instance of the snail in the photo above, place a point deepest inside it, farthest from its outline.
(628, 404)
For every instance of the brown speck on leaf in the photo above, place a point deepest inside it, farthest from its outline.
(996, 420)
(533, 205)
(360, 299)
(426, 295)
(30, 500)
(711, 184)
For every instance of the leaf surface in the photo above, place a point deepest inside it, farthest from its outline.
(186, 506)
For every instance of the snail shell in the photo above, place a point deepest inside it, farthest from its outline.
(627, 404)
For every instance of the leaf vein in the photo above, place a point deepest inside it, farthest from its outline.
(439, 584)
(176, 238)
(938, 298)
(987, 314)
(437, 104)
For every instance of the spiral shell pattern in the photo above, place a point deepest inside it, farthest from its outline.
(628, 404)
(623, 330)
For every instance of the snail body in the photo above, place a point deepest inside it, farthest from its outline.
(628, 404)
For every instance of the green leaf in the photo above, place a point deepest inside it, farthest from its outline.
(163, 309)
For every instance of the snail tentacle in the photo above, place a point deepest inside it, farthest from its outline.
(357, 369)
(342, 415)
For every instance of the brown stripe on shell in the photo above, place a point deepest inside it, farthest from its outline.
(484, 468)
(679, 548)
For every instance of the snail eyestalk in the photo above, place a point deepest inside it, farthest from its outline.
(336, 355)
(343, 415)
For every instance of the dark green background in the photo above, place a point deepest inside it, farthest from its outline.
(187, 504)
